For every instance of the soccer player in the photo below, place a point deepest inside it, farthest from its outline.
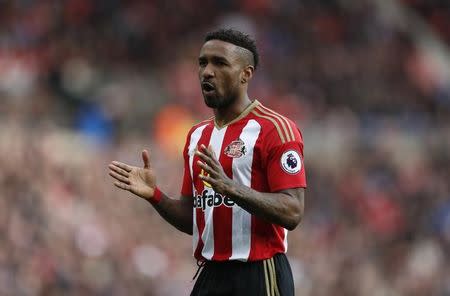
(244, 179)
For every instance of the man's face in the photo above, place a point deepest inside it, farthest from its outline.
(219, 72)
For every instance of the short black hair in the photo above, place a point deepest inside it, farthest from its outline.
(237, 38)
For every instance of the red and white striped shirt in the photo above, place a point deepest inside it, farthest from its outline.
(260, 149)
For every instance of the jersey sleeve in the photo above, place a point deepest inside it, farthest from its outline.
(186, 189)
(284, 163)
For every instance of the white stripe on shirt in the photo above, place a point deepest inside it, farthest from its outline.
(242, 173)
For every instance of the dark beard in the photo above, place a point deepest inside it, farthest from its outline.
(219, 103)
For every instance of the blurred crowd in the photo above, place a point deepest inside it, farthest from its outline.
(84, 82)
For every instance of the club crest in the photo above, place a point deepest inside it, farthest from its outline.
(236, 149)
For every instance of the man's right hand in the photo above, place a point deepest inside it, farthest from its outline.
(140, 181)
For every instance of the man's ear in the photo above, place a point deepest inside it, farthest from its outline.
(247, 74)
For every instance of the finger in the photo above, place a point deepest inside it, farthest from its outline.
(206, 168)
(119, 177)
(208, 160)
(203, 166)
(122, 186)
(146, 159)
(211, 152)
(119, 170)
(206, 151)
(122, 165)
(208, 179)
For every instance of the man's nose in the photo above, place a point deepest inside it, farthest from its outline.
(208, 72)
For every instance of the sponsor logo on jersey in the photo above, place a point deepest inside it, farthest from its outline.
(291, 162)
(204, 182)
(236, 149)
(211, 199)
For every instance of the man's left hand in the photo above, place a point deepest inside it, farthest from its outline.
(215, 175)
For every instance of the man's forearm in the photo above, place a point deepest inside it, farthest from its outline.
(281, 208)
(284, 208)
(177, 212)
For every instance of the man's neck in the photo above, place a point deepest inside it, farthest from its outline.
(226, 115)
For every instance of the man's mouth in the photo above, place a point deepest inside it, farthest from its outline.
(208, 87)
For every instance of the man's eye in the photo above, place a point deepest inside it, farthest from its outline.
(202, 63)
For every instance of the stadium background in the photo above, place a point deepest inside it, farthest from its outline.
(83, 82)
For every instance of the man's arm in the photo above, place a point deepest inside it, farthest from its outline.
(284, 208)
(142, 182)
(176, 212)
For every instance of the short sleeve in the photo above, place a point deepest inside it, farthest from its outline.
(186, 189)
(285, 164)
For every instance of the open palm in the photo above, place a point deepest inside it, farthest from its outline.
(140, 181)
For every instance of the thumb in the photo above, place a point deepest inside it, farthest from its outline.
(146, 159)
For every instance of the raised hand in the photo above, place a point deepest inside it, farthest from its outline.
(215, 174)
(140, 181)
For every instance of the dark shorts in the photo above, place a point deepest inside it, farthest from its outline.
(270, 277)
